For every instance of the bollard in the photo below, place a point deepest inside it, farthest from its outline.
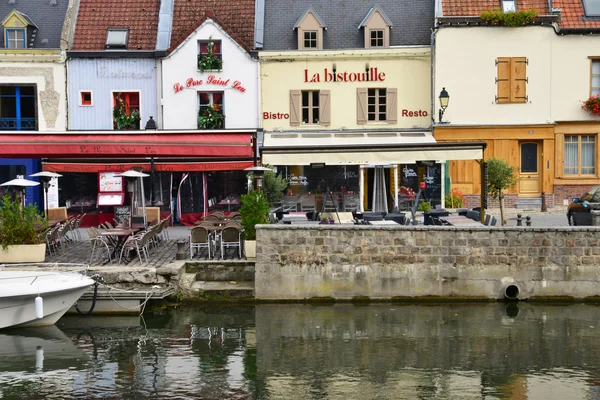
(182, 250)
(544, 207)
(519, 220)
(528, 220)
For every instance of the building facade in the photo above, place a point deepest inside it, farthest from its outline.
(523, 96)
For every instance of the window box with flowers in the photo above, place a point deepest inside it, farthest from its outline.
(209, 56)
(124, 116)
(210, 117)
(592, 105)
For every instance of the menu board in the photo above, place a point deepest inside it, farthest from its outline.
(110, 199)
(123, 214)
(108, 182)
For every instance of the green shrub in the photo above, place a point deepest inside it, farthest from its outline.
(254, 211)
(518, 18)
(19, 225)
(424, 206)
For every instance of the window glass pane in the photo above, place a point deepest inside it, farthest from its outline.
(217, 98)
(305, 117)
(203, 47)
(204, 98)
(596, 67)
(371, 92)
(592, 7)
(371, 116)
(595, 81)
(116, 38)
(508, 6)
(27, 90)
(8, 107)
(529, 159)
(315, 118)
(382, 108)
(27, 107)
(305, 99)
(382, 117)
(588, 154)
(315, 98)
(7, 90)
(571, 159)
(216, 47)
(371, 108)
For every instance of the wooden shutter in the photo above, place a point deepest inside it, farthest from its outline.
(295, 107)
(324, 107)
(503, 80)
(361, 106)
(391, 110)
(559, 164)
(518, 92)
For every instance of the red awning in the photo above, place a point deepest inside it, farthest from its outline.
(158, 166)
(231, 144)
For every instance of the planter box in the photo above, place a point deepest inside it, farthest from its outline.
(250, 248)
(23, 253)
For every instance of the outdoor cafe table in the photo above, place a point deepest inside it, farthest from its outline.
(121, 235)
(460, 220)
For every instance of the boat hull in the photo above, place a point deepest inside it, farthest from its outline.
(58, 291)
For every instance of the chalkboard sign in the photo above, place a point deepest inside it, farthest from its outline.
(123, 214)
(409, 177)
(433, 178)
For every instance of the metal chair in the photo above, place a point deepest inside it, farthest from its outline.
(139, 243)
(96, 239)
(199, 238)
(231, 237)
(488, 219)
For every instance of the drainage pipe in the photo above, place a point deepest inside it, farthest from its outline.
(512, 292)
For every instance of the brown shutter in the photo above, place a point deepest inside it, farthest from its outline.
(518, 93)
(295, 107)
(559, 165)
(361, 106)
(324, 107)
(503, 80)
(392, 106)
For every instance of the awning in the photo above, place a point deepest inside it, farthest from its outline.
(146, 167)
(379, 149)
(85, 144)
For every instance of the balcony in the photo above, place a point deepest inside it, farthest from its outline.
(17, 124)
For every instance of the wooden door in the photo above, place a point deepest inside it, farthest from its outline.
(530, 170)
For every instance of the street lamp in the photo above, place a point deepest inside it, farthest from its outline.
(444, 99)
(259, 173)
(46, 177)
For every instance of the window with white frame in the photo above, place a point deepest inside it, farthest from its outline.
(508, 6)
(580, 155)
(591, 8)
(210, 110)
(595, 81)
(15, 39)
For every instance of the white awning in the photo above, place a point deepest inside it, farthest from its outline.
(369, 148)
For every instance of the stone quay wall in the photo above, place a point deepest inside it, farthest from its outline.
(376, 262)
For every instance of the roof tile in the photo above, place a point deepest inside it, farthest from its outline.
(96, 16)
(236, 17)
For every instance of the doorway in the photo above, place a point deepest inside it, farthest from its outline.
(529, 170)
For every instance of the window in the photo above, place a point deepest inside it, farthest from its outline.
(85, 98)
(376, 105)
(591, 8)
(210, 56)
(126, 110)
(310, 40)
(508, 6)
(310, 107)
(377, 38)
(580, 154)
(595, 89)
(117, 38)
(18, 108)
(210, 111)
(15, 39)
(512, 80)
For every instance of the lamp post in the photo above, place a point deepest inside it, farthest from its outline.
(132, 176)
(151, 125)
(46, 177)
(444, 99)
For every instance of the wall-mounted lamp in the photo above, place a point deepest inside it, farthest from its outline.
(334, 74)
(151, 124)
(367, 71)
(444, 99)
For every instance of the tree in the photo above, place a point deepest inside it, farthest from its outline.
(501, 177)
(273, 187)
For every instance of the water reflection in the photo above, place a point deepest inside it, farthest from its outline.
(490, 351)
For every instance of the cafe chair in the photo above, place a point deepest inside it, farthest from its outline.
(199, 239)
(139, 243)
(98, 241)
(231, 237)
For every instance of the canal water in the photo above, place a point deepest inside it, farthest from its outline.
(288, 352)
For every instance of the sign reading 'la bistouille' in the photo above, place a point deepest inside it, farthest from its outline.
(369, 75)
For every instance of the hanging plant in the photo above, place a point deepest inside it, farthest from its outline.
(516, 18)
(210, 61)
(592, 105)
(121, 118)
(211, 117)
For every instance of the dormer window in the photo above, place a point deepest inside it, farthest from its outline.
(508, 6)
(310, 31)
(591, 8)
(19, 31)
(117, 38)
(377, 28)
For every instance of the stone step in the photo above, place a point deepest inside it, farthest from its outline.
(223, 291)
(221, 270)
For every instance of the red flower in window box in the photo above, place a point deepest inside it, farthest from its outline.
(592, 105)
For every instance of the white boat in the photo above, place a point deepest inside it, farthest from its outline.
(38, 298)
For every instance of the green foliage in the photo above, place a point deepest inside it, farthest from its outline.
(592, 105)
(254, 211)
(273, 187)
(18, 224)
(210, 61)
(501, 176)
(455, 199)
(210, 117)
(120, 116)
(518, 18)
(424, 206)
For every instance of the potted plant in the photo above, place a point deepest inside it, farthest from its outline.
(210, 61)
(455, 199)
(122, 119)
(20, 227)
(254, 211)
(211, 117)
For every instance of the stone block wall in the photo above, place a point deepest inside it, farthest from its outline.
(346, 262)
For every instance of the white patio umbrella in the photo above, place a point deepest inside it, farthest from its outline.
(22, 184)
(132, 175)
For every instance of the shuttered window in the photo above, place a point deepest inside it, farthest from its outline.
(376, 105)
(310, 107)
(511, 80)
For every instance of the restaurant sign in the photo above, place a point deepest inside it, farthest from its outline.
(369, 75)
(212, 80)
